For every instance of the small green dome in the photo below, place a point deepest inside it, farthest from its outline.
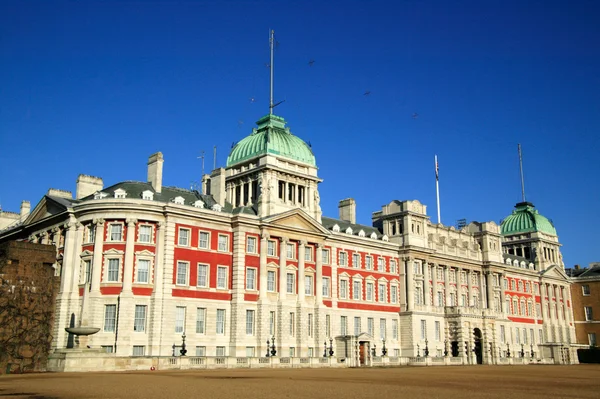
(271, 137)
(525, 219)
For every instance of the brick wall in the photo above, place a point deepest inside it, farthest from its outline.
(580, 301)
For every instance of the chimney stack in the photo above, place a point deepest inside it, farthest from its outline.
(577, 267)
(347, 209)
(155, 169)
(25, 209)
(217, 185)
(88, 185)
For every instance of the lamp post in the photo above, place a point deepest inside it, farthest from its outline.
(383, 350)
(173, 347)
(467, 348)
(418, 351)
(532, 352)
(330, 347)
(426, 347)
(325, 348)
(522, 351)
(268, 348)
(374, 350)
(273, 350)
(445, 348)
(183, 351)
(507, 350)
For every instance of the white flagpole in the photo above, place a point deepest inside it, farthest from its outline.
(437, 188)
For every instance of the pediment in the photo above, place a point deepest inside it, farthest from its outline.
(145, 252)
(86, 253)
(556, 272)
(363, 336)
(113, 251)
(297, 219)
(44, 209)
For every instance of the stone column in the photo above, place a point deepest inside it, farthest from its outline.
(434, 278)
(426, 284)
(447, 285)
(301, 287)
(97, 260)
(282, 263)
(249, 199)
(410, 285)
(469, 275)
(502, 294)
(68, 258)
(155, 316)
(128, 263)
(75, 277)
(319, 282)
(490, 289)
(262, 285)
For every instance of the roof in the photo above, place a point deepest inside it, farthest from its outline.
(525, 219)
(586, 272)
(328, 223)
(271, 137)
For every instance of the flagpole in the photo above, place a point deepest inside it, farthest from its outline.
(437, 189)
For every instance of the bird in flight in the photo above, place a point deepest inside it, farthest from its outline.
(252, 99)
(311, 62)
(367, 93)
(415, 115)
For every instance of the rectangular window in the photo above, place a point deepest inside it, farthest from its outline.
(113, 270)
(200, 320)
(290, 251)
(251, 245)
(393, 266)
(202, 276)
(382, 329)
(344, 325)
(343, 259)
(182, 273)
(310, 325)
(356, 261)
(222, 277)
(179, 319)
(220, 352)
(145, 234)
(292, 351)
(290, 283)
(525, 336)
(592, 339)
(272, 323)
(371, 326)
(249, 322)
(271, 248)
(586, 289)
(368, 262)
(223, 243)
(201, 351)
(438, 331)
(139, 350)
(540, 336)
(108, 348)
(220, 322)
(343, 289)
(370, 291)
(292, 323)
(517, 336)
(308, 251)
(381, 264)
(308, 285)
(423, 329)
(251, 279)
(139, 322)
(116, 232)
(357, 326)
(271, 280)
(502, 334)
(356, 290)
(90, 233)
(204, 240)
(381, 293)
(394, 294)
(589, 315)
(452, 299)
(250, 351)
(394, 329)
(325, 255)
(326, 287)
(110, 314)
(532, 336)
(87, 267)
(143, 269)
(311, 352)
(184, 237)
(440, 298)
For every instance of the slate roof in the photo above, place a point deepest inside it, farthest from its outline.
(587, 272)
(328, 223)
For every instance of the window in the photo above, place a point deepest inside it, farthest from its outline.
(381, 264)
(368, 262)
(525, 336)
(90, 233)
(417, 268)
(517, 336)
(147, 195)
(394, 294)
(357, 326)
(589, 315)
(143, 269)
(370, 326)
(201, 351)
(452, 299)
(271, 280)
(179, 319)
(343, 259)
(356, 261)
(202, 276)
(108, 348)
(438, 331)
(145, 234)
(290, 283)
(110, 314)
(308, 285)
(393, 266)
(204, 240)
(343, 289)
(250, 351)
(184, 237)
(220, 351)
(113, 270)
(220, 322)
(325, 255)
(370, 291)
(290, 251)
(292, 323)
(251, 245)
(440, 298)
(308, 251)
(310, 325)
(271, 248)
(394, 329)
(586, 289)
(200, 320)
(251, 279)
(139, 322)
(356, 290)
(292, 351)
(381, 293)
(343, 325)
(423, 329)
(249, 322)
(87, 267)
(382, 328)
(532, 336)
(116, 232)
(182, 273)
(222, 277)
(139, 350)
(326, 287)
(502, 334)
(592, 339)
(272, 323)
(223, 243)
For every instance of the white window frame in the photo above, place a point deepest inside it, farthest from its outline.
(187, 236)
(225, 277)
(139, 269)
(394, 329)
(251, 242)
(180, 314)
(220, 323)
(290, 250)
(203, 266)
(343, 325)
(308, 253)
(326, 281)
(200, 320)
(271, 248)
(589, 316)
(110, 318)
(288, 281)
(272, 283)
(343, 258)
(357, 294)
(381, 264)
(182, 265)
(368, 262)
(108, 270)
(393, 266)
(309, 288)
(356, 258)
(585, 290)
(139, 320)
(370, 291)
(111, 234)
(326, 256)
(344, 288)
(200, 233)
(221, 247)
(394, 293)
(382, 294)
(150, 234)
(250, 317)
(251, 278)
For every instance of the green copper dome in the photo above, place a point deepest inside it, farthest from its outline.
(525, 219)
(271, 137)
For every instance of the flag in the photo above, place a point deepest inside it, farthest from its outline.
(437, 169)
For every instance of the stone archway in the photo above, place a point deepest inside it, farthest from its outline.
(478, 349)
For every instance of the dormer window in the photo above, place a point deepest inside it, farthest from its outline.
(217, 207)
(385, 238)
(100, 195)
(373, 235)
(336, 228)
(361, 233)
(178, 200)
(148, 195)
(349, 230)
(120, 193)
(199, 204)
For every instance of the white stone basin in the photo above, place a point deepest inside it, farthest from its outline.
(82, 330)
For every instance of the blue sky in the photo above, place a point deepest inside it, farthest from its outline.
(96, 87)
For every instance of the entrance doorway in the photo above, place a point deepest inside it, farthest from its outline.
(478, 345)
(362, 352)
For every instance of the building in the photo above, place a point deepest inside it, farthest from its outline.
(585, 290)
(252, 260)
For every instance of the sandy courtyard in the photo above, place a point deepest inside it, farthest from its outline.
(409, 382)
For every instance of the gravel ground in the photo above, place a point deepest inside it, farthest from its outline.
(506, 382)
